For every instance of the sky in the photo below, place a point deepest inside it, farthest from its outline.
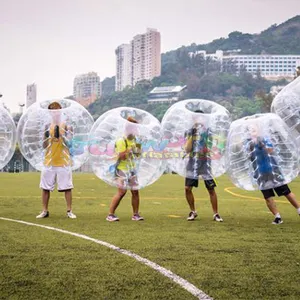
(49, 42)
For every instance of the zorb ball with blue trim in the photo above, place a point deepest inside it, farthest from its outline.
(261, 153)
(7, 137)
(126, 149)
(56, 136)
(196, 132)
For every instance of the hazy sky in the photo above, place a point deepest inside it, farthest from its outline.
(49, 42)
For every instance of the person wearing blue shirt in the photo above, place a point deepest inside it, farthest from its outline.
(266, 172)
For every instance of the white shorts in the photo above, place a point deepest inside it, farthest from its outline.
(60, 175)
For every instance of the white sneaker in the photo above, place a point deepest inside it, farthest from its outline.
(217, 218)
(112, 218)
(71, 215)
(192, 216)
(137, 217)
(43, 214)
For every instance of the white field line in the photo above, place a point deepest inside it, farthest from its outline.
(177, 279)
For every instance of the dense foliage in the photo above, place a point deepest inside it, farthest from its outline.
(242, 94)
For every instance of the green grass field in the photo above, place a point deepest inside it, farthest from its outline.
(246, 257)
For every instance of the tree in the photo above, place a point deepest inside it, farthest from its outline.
(265, 101)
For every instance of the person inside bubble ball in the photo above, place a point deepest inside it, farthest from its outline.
(267, 172)
(198, 143)
(57, 161)
(128, 151)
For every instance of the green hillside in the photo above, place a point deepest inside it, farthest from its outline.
(242, 95)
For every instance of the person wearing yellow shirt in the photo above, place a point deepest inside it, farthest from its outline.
(128, 151)
(57, 161)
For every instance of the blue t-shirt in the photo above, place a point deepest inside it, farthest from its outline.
(261, 155)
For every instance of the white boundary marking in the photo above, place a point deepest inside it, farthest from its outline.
(177, 279)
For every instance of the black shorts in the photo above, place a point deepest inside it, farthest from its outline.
(209, 184)
(280, 191)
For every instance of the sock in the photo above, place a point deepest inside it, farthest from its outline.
(68, 211)
(298, 211)
(278, 215)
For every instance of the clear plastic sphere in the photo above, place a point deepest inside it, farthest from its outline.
(196, 132)
(287, 105)
(55, 137)
(261, 153)
(126, 154)
(8, 137)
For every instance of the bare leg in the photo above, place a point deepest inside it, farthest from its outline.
(116, 200)
(45, 199)
(68, 196)
(272, 206)
(292, 198)
(213, 200)
(135, 201)
(190, 197)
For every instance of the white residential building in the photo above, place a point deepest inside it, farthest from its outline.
(30, 95)
(166, 94)
(87, 88)
(139, 60)
(124, 66)
(271, 66)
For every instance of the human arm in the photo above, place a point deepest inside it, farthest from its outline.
(121, 149)
(264, 143)
(46, 137)
(67, 135)
(188, 146)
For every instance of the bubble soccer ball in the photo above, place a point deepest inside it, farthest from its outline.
(196, 132)
(8, 137)
(287, 105)
(55, 137)
(125, 154)
(260, 153)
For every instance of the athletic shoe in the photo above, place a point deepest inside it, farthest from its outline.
(217, 218)
(192, 216)
(43, 214)
(137, 217)
(277, 221)
(112, 218)
(71, 215)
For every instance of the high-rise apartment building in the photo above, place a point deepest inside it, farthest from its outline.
(152, 61)
(139, 60)
(124, 66)
(30, 95)
(87, 88)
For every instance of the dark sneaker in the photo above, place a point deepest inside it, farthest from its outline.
(277, 221)
(217, 218)
(43, 214)
(112, 218)
(137, 217)
(192, 216)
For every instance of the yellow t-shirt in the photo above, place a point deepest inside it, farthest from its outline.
(128, 163)
(57, 153)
